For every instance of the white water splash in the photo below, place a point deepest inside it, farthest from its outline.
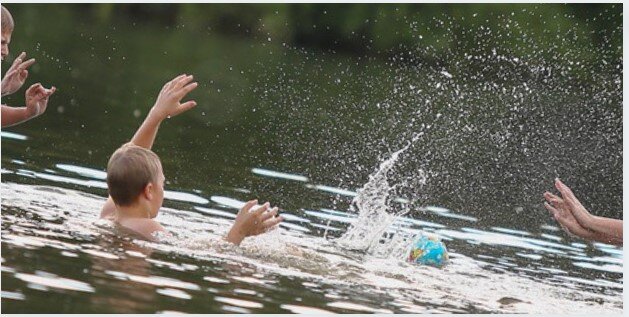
(375, 215)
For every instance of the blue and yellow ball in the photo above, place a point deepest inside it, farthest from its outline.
(428, 251)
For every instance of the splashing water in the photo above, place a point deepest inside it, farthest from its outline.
(375, 215)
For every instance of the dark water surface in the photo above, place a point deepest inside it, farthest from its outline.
(304, 129)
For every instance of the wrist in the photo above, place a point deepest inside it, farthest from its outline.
(155, 115)
(28, 112)
(235, 236)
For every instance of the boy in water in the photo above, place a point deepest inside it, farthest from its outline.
(135, 179)
(36, 95)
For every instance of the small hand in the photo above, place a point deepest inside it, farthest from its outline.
(560, 210)
(168, 101)
(37, 99)
(250, 223)
(574, 205)
(16, 74)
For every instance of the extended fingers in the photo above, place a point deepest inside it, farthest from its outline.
(553, 199)
(18, 60)
(169, 85)
(186, 89)
(262, 209)
(268, 215)
(185, 107)
(27, 64)
(182, 81)
(248, 205)
(568, 195)
(10, 72)
(272, 222)
(551, 209)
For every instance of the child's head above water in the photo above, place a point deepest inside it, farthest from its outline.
(135, 176)
(7, 30)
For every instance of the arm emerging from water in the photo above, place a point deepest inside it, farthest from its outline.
(576, 220)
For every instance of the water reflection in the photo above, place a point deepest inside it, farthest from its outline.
(124, 275)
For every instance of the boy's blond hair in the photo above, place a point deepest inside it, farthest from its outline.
(129, 170)
(7, 20)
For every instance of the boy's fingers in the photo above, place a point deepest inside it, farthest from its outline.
(10, 73)
(185, 90)
(31, 88)
(27, 64)
(183, 81)
(50, 91)
(165, 87)
(177, 79)
(248, 206)
(261, 209)
(551, 209)
(18, 60)
(171, 82)
(270, 223)
(184, 107)
(551, 195)
(268, 215)
(566, 192)
(187, 106)
(568, 195)
(554, 200)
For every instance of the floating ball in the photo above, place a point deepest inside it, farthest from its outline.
(428, 251)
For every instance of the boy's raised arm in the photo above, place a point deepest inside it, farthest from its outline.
(168, 104)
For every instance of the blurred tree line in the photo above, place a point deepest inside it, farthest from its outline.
(377, 27)
(386, 29)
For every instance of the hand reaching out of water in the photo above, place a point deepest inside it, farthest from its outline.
(251, 223)
(37, 99)
(16, 74)
(576, 220)
(168, 103)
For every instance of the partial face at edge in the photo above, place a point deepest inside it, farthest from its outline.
(158, 194)
(6, 39)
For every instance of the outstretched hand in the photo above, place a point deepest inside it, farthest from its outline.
(561, 211)
(574, 205)
(37, 99)
(16, 74)
(251, 223)
(576, 220)
(168, 103)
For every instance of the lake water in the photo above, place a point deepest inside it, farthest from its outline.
(309, 131)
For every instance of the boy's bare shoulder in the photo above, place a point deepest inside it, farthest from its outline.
(143, 227)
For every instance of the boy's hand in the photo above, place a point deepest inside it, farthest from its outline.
(562, 212)
(37, 99)
(16, 74)
(251, 223)
(168, 101)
